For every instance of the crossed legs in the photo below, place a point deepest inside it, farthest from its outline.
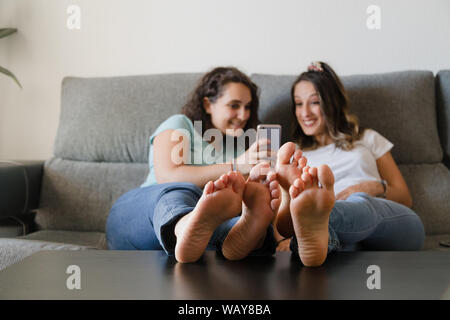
(258, 199)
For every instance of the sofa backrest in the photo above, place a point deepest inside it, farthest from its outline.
(101, 148)
(111, 119)
(399, 105)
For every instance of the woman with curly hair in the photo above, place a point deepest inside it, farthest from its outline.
(192, 201)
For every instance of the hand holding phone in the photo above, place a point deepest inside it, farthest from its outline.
(271, 132)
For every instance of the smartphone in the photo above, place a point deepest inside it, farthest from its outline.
(271, 132)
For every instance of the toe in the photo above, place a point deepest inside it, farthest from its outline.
(285, 153)
(271, 177)
(314, 178)
(297, 157)
(209, 188)
(219, 184)
(299, 184)
(224, 178)
(273, 185)
(326, 177)
(275, 194)
(275, 204)
(231, 178)
(293, 191)
(307, 179)
(302, 162)
(238, 182)
(259, 171)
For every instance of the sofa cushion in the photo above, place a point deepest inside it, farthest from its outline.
(399, 105)
(429, 185)
(443, 111)
(275, 102)
(15, 250)
(95, 240)
(11, 228)
(433, 242)
(78, 195)
(111, 119)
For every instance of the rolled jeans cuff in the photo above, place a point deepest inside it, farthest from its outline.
(333, 242)
(268, 247)
(168, 239)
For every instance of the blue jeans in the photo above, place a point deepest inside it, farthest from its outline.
(145, 219)
(369, 223)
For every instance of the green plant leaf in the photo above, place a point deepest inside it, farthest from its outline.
(6, 32)
(9, 74)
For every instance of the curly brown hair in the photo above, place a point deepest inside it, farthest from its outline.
(342, 127)
(211, 86)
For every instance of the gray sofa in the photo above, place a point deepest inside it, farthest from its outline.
(101, 151)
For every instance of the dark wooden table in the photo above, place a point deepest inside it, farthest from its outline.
(154, 275)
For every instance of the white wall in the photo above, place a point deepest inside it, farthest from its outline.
(124, 37)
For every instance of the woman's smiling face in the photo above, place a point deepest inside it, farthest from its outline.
(308, 111)
(230, 112)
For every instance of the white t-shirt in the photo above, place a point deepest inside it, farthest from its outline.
(353, 166)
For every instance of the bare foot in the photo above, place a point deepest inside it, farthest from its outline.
(290, 165)
(284, 245)
(288, 171)
(221, 200)
(310, 208)
(261, 201)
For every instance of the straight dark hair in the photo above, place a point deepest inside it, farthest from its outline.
(341, 126)
(211, 86)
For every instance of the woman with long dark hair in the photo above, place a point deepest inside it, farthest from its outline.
(196, 195)
(351, 193)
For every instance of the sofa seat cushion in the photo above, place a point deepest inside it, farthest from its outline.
(15, 250)
(432, 242)
(78, 195)
(429, 185)
(11, 228)
(95, 240)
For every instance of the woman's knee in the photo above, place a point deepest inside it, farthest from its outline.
(404, 234)
(131, 221)
(416, 233)
(115, 236)
(412, 229)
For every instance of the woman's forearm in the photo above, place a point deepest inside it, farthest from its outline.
(397, 189)
(396, 193)
(399, 195)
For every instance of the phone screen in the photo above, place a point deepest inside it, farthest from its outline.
(273, 133)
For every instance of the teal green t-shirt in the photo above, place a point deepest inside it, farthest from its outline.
(201, 152)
